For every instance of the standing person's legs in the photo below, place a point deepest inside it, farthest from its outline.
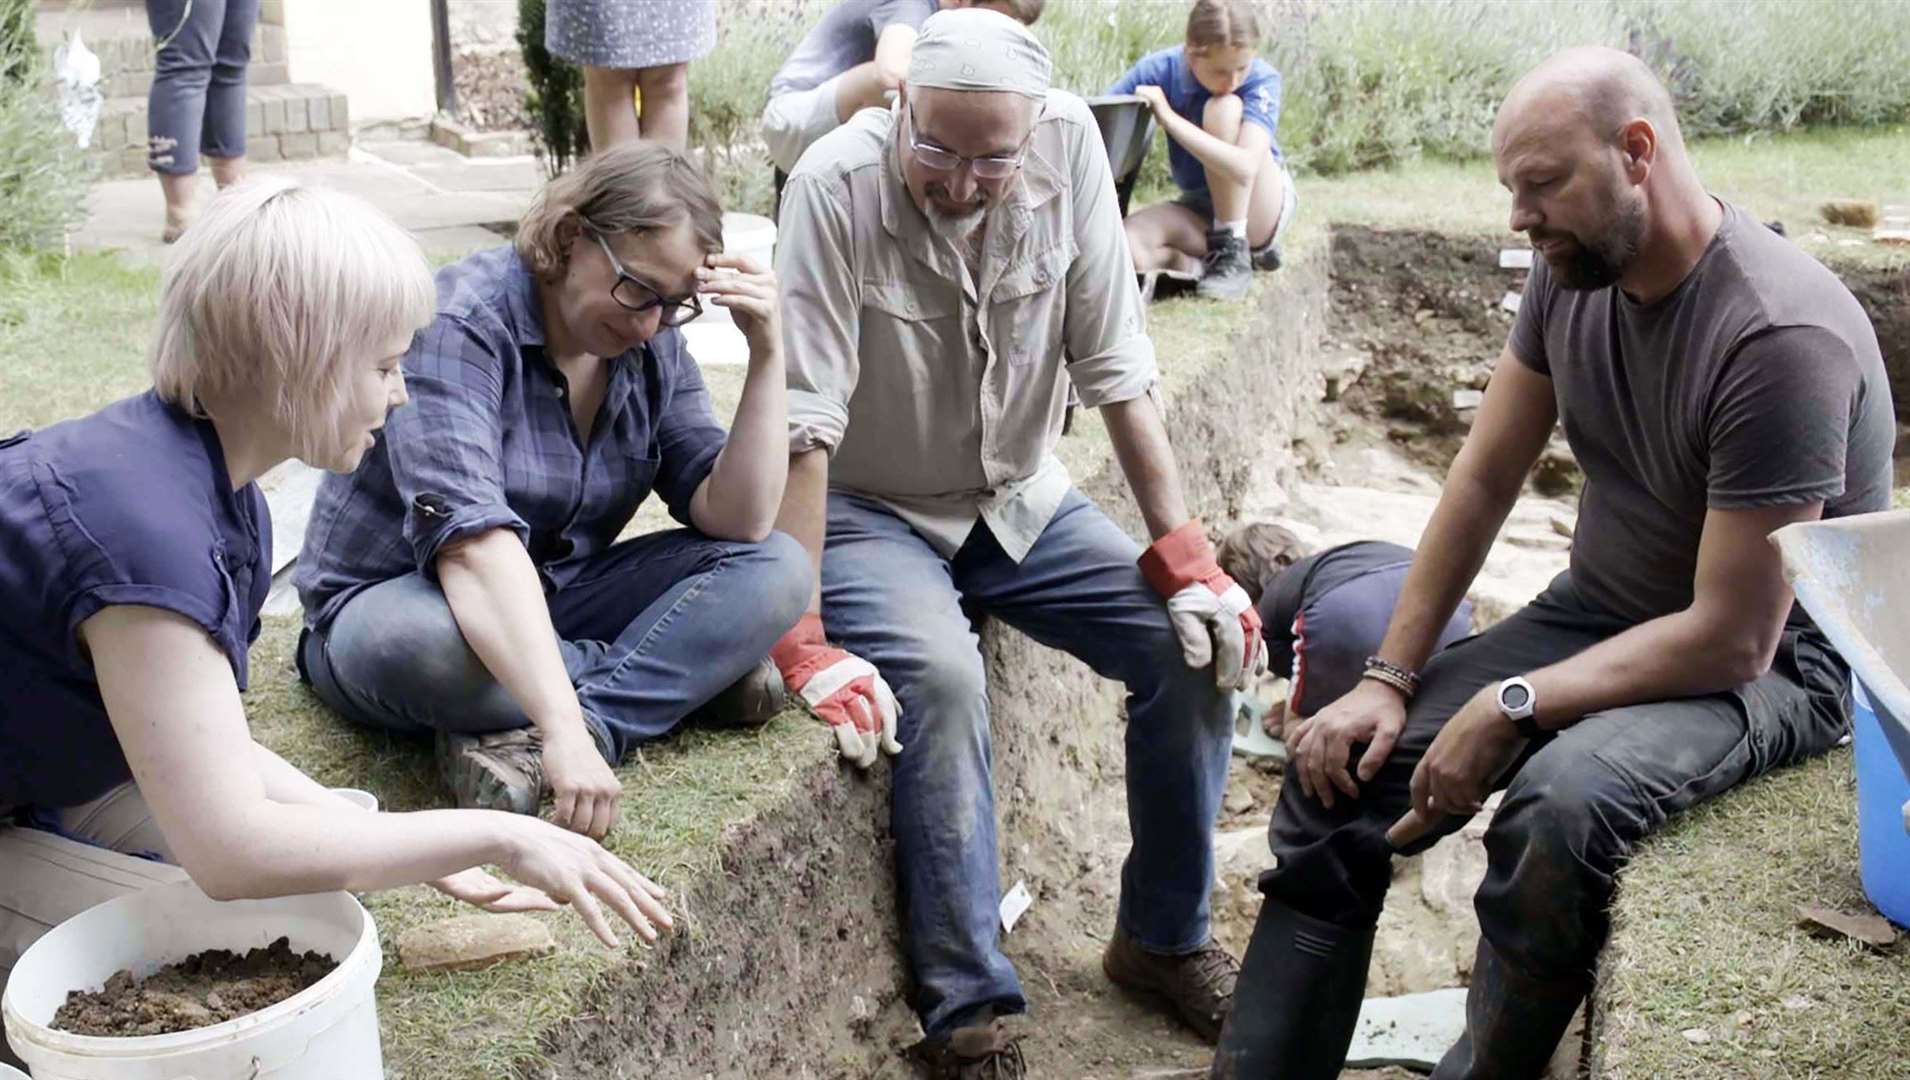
(1574, 812)
(610, 106)
(1305, 970)
(186, 36)
(1080, 590)
(222, 140)
(666, 105)
(890, 598)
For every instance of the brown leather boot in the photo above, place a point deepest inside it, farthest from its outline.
(985, 1050)
(1199, 985)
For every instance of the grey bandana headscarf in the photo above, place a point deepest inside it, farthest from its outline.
(978, 49)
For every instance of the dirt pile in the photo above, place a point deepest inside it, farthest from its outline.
(205, 988)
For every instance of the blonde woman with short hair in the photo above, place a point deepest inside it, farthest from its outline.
(135, 556)
(472, 581)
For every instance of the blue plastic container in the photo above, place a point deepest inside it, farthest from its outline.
(1882, 844)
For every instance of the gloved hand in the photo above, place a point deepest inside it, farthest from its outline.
(845, 691)
(1216, 622)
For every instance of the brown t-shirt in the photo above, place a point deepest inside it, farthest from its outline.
(1756, 382)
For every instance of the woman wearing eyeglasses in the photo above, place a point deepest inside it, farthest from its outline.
(469, 580)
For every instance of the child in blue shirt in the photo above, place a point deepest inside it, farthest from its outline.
(1220, 106)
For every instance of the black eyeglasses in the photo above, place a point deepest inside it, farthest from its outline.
(633, 295)
(1000, 167)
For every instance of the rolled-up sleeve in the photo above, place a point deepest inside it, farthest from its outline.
(1111, 358)
(821, 310)
(688, 436)
(446, 445)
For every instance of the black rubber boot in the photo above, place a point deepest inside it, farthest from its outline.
(1513, 1022)
(1297, 999)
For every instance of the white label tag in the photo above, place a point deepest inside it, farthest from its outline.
(1510, 302)
(1515, 258)
(1015, 905)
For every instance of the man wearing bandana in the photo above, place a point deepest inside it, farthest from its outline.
(949, 268)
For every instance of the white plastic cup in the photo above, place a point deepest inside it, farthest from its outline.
(326, 1031)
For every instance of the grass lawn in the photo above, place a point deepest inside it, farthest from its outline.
(1705, 940)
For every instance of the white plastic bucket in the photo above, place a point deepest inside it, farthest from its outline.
(328, 1031)
(8, 1072)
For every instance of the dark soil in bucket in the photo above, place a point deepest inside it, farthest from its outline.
(203, 989)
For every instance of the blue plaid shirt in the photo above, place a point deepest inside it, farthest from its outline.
(487, 442)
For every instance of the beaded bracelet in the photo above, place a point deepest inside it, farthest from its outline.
(1381, 675)
(1410, 678)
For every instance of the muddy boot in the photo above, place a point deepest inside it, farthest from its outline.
(1199, 985)
(1229, 271)
(988, 1049)
(749, 702)
(1513, 1022)
(502, 770)
(1298, 999)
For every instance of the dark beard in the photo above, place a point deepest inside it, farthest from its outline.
(1599, 264)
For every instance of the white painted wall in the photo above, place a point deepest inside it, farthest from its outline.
(376, 52)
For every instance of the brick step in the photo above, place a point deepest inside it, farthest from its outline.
(286, 122)
(124, 43)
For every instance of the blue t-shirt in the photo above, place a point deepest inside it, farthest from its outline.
(487, 442)
(131, 505)
(1168, 69)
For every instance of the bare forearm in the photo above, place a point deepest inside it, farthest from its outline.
(745, 487)
(292, 849)
(804, 513)
(1147, 460)
(498, 601)
(1450, 553)
(1674, 656)
(1239, 164)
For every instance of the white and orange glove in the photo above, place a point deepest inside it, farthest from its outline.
(845, 691)
(1216, 622)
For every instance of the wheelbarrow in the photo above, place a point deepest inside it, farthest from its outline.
(1127, 131)
(1853, 576)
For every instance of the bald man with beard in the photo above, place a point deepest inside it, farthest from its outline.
(1715, 384)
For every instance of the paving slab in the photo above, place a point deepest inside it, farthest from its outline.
(1412, 1031)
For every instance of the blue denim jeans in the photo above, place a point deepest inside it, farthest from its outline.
(891, 599)
(656, 626)
(197, 101)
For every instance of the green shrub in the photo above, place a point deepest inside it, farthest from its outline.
(43, 174)
(554, 94)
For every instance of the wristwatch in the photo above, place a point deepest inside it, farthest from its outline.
(1518, 703)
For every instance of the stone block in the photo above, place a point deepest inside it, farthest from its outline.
(265, 148)
(318, 113)
(298, 145)
(334, 143)
(129, 161)
(297, 116)
(254, 119)
(272, 44)
(268, 74)
(274, 109)
(473, 941)
(110, 134)
(341, 115)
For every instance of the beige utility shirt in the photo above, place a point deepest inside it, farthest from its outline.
(939, 396)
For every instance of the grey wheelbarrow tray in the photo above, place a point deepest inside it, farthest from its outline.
(1127, 131)
(1853, 576)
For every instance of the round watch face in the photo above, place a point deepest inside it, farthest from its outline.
(1514, 697)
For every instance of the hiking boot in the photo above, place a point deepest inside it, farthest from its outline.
(501, 770)
(1199, 985)
(984, 1050)
(749, 702)
(1268, 258)
(1229, 269)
